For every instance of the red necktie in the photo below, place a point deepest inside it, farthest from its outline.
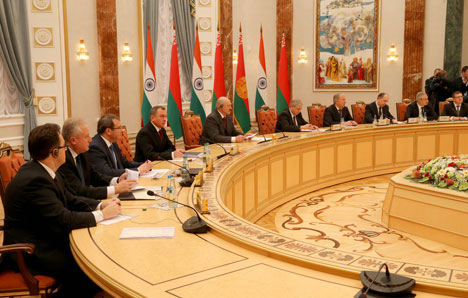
(295, 121)
(225, 122)
(161, 135)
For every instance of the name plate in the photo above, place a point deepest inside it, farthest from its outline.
(444, 118)
(413, 120)
(383, 122)
(335, 127)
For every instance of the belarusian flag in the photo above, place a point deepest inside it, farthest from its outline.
(241, 99)
(218, 87)
(197, 82)
(261, 95)
(174, 101)
(149, 97)
(283, 96)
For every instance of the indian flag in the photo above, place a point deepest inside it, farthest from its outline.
(197, 82)
(261, 95)
(149, 97)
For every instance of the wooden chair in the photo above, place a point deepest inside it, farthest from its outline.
(316, 111)
(266, 120)
(359, 111)
(10, 162)
(191, 129)
(23, 283)
(401, 108)
(124, 145)
(443, 103)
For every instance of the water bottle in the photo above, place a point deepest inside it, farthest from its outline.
(374, 123)
(185, 162)
(424, 117)
(171, 192)
(342, 122)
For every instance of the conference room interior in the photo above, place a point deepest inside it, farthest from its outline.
(287, 215)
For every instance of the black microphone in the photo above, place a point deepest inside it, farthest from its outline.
(264, 138)
(194, 224)
(187, 178)
(221, 155)
(281, 131)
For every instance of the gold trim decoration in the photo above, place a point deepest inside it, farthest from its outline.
(41, 6)
(46, 105)
(207, 94)
(43, 37)
(207, 72)
(206, 48)
(205, 3)
(204, 24)
(45, 71)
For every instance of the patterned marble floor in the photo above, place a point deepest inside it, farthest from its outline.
(348, 217)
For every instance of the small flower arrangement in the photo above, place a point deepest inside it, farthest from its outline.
(445, 172)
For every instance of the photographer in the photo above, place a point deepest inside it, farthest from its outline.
(439, 90)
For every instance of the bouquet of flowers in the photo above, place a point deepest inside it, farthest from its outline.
(445, 172)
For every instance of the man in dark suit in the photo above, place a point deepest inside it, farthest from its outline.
(378, 109)
(39, 210)
(420, 104)
(461, 83)
(152, 142)
(104, 152)
(457, 109)
(219, 127)
(291, 118)
(336, 111)
(80, 178)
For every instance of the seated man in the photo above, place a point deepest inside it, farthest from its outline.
(457, 109)
(420, 105)
(80, 178)
(290, 119)
(379, 109)
(152, 142)
(336, 111)
(39, 210)
(219, 127)
(105, 153)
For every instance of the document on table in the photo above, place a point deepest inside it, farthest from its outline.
(142, 195)
(251, 136)
(115, 219)
(194, 154)
(155, 173)
(259, 139)
(147, 232)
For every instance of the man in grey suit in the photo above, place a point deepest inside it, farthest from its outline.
(219, 127)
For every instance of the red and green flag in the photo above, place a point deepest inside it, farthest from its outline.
(197, 82)
(283, 96)
(149, 97)
(241, 99)
(219, 89)
(261, 95)
(174, 101)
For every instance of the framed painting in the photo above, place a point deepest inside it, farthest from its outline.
(346, 54)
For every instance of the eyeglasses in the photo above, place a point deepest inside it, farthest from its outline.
(62, 147)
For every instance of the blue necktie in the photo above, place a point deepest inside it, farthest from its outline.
(113, 156)
(79, 166)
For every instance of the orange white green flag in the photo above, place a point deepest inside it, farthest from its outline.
(149, 97)
(283, 96)
(262, 84)
(219, 89)
(174, 101)
(197, 82)
(241, 99)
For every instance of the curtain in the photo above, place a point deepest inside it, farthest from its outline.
(150, 11)
(185, 31)
(15, 50)
(9, 97)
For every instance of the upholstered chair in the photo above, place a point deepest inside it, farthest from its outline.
(443, 103)
(124, 145)
(266, 120)
(316, 111)
(191, 129)
(359, 111)
(401, 108)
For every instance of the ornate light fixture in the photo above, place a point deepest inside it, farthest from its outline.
(392, 53)
(302, 57)
(126, 54)
(234, 57)
(82, 54)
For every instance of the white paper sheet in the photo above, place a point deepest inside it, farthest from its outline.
(114, 219)
(155, 173)
(147, 232)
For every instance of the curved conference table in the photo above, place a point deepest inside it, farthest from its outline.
(240, 259)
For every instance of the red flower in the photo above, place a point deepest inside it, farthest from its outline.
(441, 178)
(450, 182)
(427, 174)
(416, 174)
(445, 176)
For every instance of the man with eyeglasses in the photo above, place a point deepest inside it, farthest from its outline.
(457, 109)
(105, 153)
(40, 210)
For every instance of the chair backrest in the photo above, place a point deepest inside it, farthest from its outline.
(191, 129)
(401, 108)
(266, 120)
(124, 145)
(359, 111)
(10, 162)
(316, 111)
(443, 103)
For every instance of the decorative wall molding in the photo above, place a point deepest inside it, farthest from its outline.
(41, 6)
(45, 71)
(207, 72)
(205, 48)
(204, 24)
(46, 105)
(205, 3)
(43, 37)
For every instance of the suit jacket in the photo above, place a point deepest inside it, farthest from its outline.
(413, 111)
(214, 131)
(95, 183)
(103, 162)
(331, 115)
(458, 85)
(149, 145)
(450, 110)
(372, 110)
(285, 121)
(41, 211)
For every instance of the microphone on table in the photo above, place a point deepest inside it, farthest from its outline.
(194, 224)
(187, 179)
(217, 144)
(281, 131)
(264, 138)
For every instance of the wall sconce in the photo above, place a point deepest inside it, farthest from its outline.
(392, 53)
(234, 57)
(82, 54)
(302, 57)
(126, 54)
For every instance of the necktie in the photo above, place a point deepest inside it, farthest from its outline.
(113, 156)
(161, 135)
(225, 122)
(295, 121)
(380, 112)
(422, 112)
(458, 110)
(79, 166)
(340, 112)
